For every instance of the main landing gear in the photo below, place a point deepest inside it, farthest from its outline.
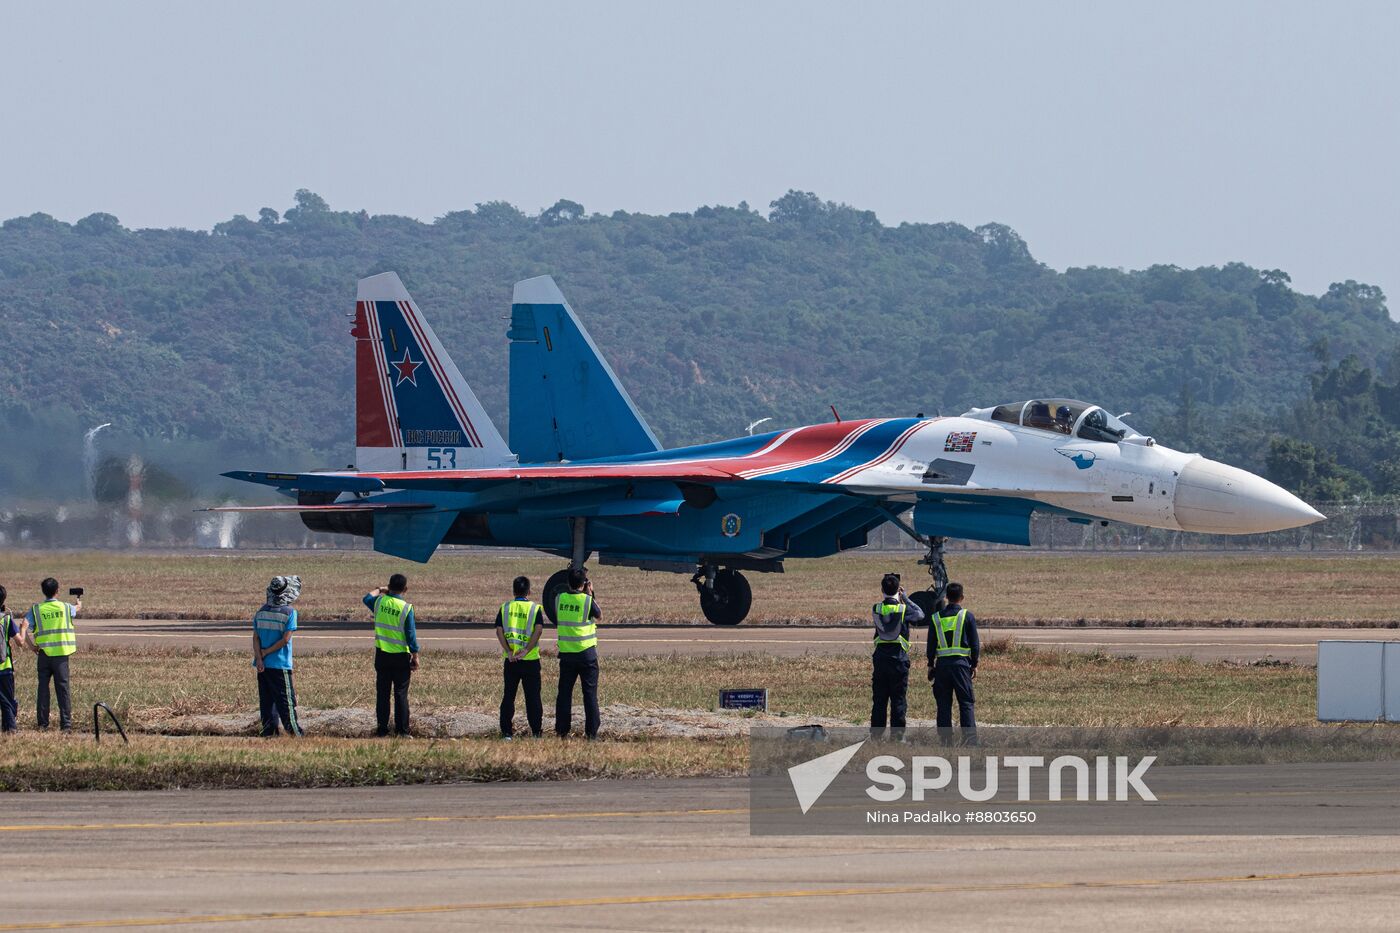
(725, 595)
(558, 581)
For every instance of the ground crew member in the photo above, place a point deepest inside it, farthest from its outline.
(953, 648)
(273, 626)
(575, 617)
(518, 628)
(53, 639)
(395, 652)
(9, 708)
(889, 676)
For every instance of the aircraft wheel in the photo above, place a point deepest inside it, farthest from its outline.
(729, 601)
(929, 601)
(556, 584)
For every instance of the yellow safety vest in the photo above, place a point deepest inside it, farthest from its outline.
(949, 630)
(573, 617)
(53, 628)
(8, 663)
(390, 614)
(886, 610)
(518, 619)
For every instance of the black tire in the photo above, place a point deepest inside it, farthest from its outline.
(728, 603)
(929, 601)
(556, 584)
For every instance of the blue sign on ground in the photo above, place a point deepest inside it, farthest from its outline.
(744, 699)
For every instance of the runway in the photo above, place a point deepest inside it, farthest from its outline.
(653, 855)
(1298, 645)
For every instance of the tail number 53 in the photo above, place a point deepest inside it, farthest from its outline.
(442, 458)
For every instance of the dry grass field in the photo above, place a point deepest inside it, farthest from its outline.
(1006, 588)
(1015, 686)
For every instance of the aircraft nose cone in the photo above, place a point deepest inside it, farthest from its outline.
(1220, 499)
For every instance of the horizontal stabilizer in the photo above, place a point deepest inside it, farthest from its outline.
(566, 403)
(310, 482)
(412, 537)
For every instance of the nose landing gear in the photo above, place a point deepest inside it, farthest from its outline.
(725, 595)
(931, 600)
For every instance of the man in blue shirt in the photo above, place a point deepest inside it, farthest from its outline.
(273, 626)
(395, 652)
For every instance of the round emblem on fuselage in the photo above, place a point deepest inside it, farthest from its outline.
(729, 525)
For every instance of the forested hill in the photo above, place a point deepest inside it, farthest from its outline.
(230, 348)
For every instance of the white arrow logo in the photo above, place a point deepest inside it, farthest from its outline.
(811, 778)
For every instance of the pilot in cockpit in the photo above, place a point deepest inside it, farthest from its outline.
(1064, 419)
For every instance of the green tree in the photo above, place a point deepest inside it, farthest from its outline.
(562, 212)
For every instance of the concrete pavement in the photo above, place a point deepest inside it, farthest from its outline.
(653, 855)
(1213, 644)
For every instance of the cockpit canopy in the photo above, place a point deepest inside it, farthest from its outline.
(1062, 416)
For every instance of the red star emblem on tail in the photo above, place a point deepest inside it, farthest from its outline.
(406, 368)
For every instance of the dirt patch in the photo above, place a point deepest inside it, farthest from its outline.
(619, 721)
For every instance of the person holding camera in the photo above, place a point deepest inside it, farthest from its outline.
(889, 675)
(53, 640)
(575, 619)
(395, 652)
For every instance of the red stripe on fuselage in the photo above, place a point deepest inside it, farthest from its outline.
(854, 429)
(890, 452)
(797, 447)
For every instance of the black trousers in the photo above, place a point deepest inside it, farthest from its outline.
(953, 678)
(55, 669)
(526, 674)
(889, 688)
(577, 666)
(9, 708)
(277, 699)
(391, 671)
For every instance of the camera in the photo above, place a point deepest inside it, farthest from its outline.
(75, 591)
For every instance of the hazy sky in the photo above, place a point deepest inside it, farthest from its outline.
(1119, 134)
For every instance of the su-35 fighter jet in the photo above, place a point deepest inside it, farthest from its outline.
(584, 473)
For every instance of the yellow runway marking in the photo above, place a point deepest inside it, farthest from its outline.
(683, 898)
(367, 820)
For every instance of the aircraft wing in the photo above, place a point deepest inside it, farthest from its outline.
(331, 507)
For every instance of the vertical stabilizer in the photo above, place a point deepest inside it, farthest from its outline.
(413, 409)
(566, 403)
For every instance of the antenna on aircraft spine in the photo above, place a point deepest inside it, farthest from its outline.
(835, 414)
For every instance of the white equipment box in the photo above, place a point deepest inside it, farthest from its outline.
(1358, 681)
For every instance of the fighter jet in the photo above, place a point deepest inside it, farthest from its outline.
(584, 474)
